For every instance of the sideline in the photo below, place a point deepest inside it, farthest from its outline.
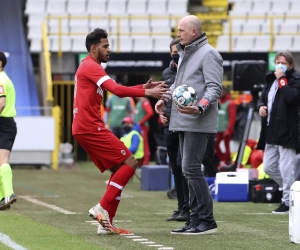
(44, 204)
(7, 241)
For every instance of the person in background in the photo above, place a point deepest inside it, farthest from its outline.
(132, 138)
(8, 132)
(143, 112)
(104, 148)
(201, 67)
(226, 121)
(182, 212)
(117, 109)
(278, 106)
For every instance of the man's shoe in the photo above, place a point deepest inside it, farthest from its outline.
(98, 209)
(106, 224)
(6, 201)
(102, 231)
(282, 209)
(174, 215)
(188, 225)
(202, 228)
(183, 216)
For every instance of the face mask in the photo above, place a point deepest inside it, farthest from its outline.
(175, 58)
(283, 67)
(127, 129)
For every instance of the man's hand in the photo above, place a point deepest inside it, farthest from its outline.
(158, 92)
(279, 73)
(189, 110)
(263, 111)
(159, 106)
(151, 85)
(163, 119)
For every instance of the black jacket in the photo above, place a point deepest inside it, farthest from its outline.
(283, 128)
(168, 75)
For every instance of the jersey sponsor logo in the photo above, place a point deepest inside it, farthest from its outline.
(123, 152)
(2, 89)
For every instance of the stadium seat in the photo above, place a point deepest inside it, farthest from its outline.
(124, 26)
(140, 26)
(35, 6)
(35, 31)
(78, 44)
(280, 8)
(162, 43)
(160, 26)
(35, 19)
(96, 7)
(177, 7)
(35, 45)
(157, 7)
(294, 9)
(251, 27)
(126, 44)
(65, 43)
(241, 8)
(96, 22)
(136, 6)
(282, 43)
(292, 27)
(243, 43)
(261, 44)
(296, 44)
(260, 8)
(53, 25)
(116, 7)
(236, 27)
(79, 25)
(56, 7)
(76, 7)
(142, 44)
(223, 43)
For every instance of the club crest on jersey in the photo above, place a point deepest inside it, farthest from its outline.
(1, 89)
(123, 152)
(100, 91)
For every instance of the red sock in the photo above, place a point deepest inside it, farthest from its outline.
(113, 207)
(116, 185)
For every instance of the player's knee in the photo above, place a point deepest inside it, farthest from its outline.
(132, 162)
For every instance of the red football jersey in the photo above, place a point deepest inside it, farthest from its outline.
(88, 94)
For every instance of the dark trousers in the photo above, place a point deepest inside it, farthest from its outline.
(192, 147)
(181, 186)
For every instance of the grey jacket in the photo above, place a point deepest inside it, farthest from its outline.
(201, 67)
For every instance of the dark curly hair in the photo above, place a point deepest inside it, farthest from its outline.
(94, 37)
(3, 59)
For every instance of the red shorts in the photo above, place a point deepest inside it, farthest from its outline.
(104, 148)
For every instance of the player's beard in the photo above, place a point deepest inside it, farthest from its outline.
(100, 57)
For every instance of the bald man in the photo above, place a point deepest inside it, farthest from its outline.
(201, 67)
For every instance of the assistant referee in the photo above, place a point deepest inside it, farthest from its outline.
(8, 131)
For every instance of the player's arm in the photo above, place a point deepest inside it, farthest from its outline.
(148, 110)
(2, 103)
(99, 76)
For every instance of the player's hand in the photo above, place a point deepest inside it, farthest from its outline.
(159, 106)
(158, 92)
(151, 85)
(189, 110)
(263, 111)
(163, 119)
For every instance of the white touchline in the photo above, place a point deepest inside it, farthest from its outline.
(6, 240)
(44, 204)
